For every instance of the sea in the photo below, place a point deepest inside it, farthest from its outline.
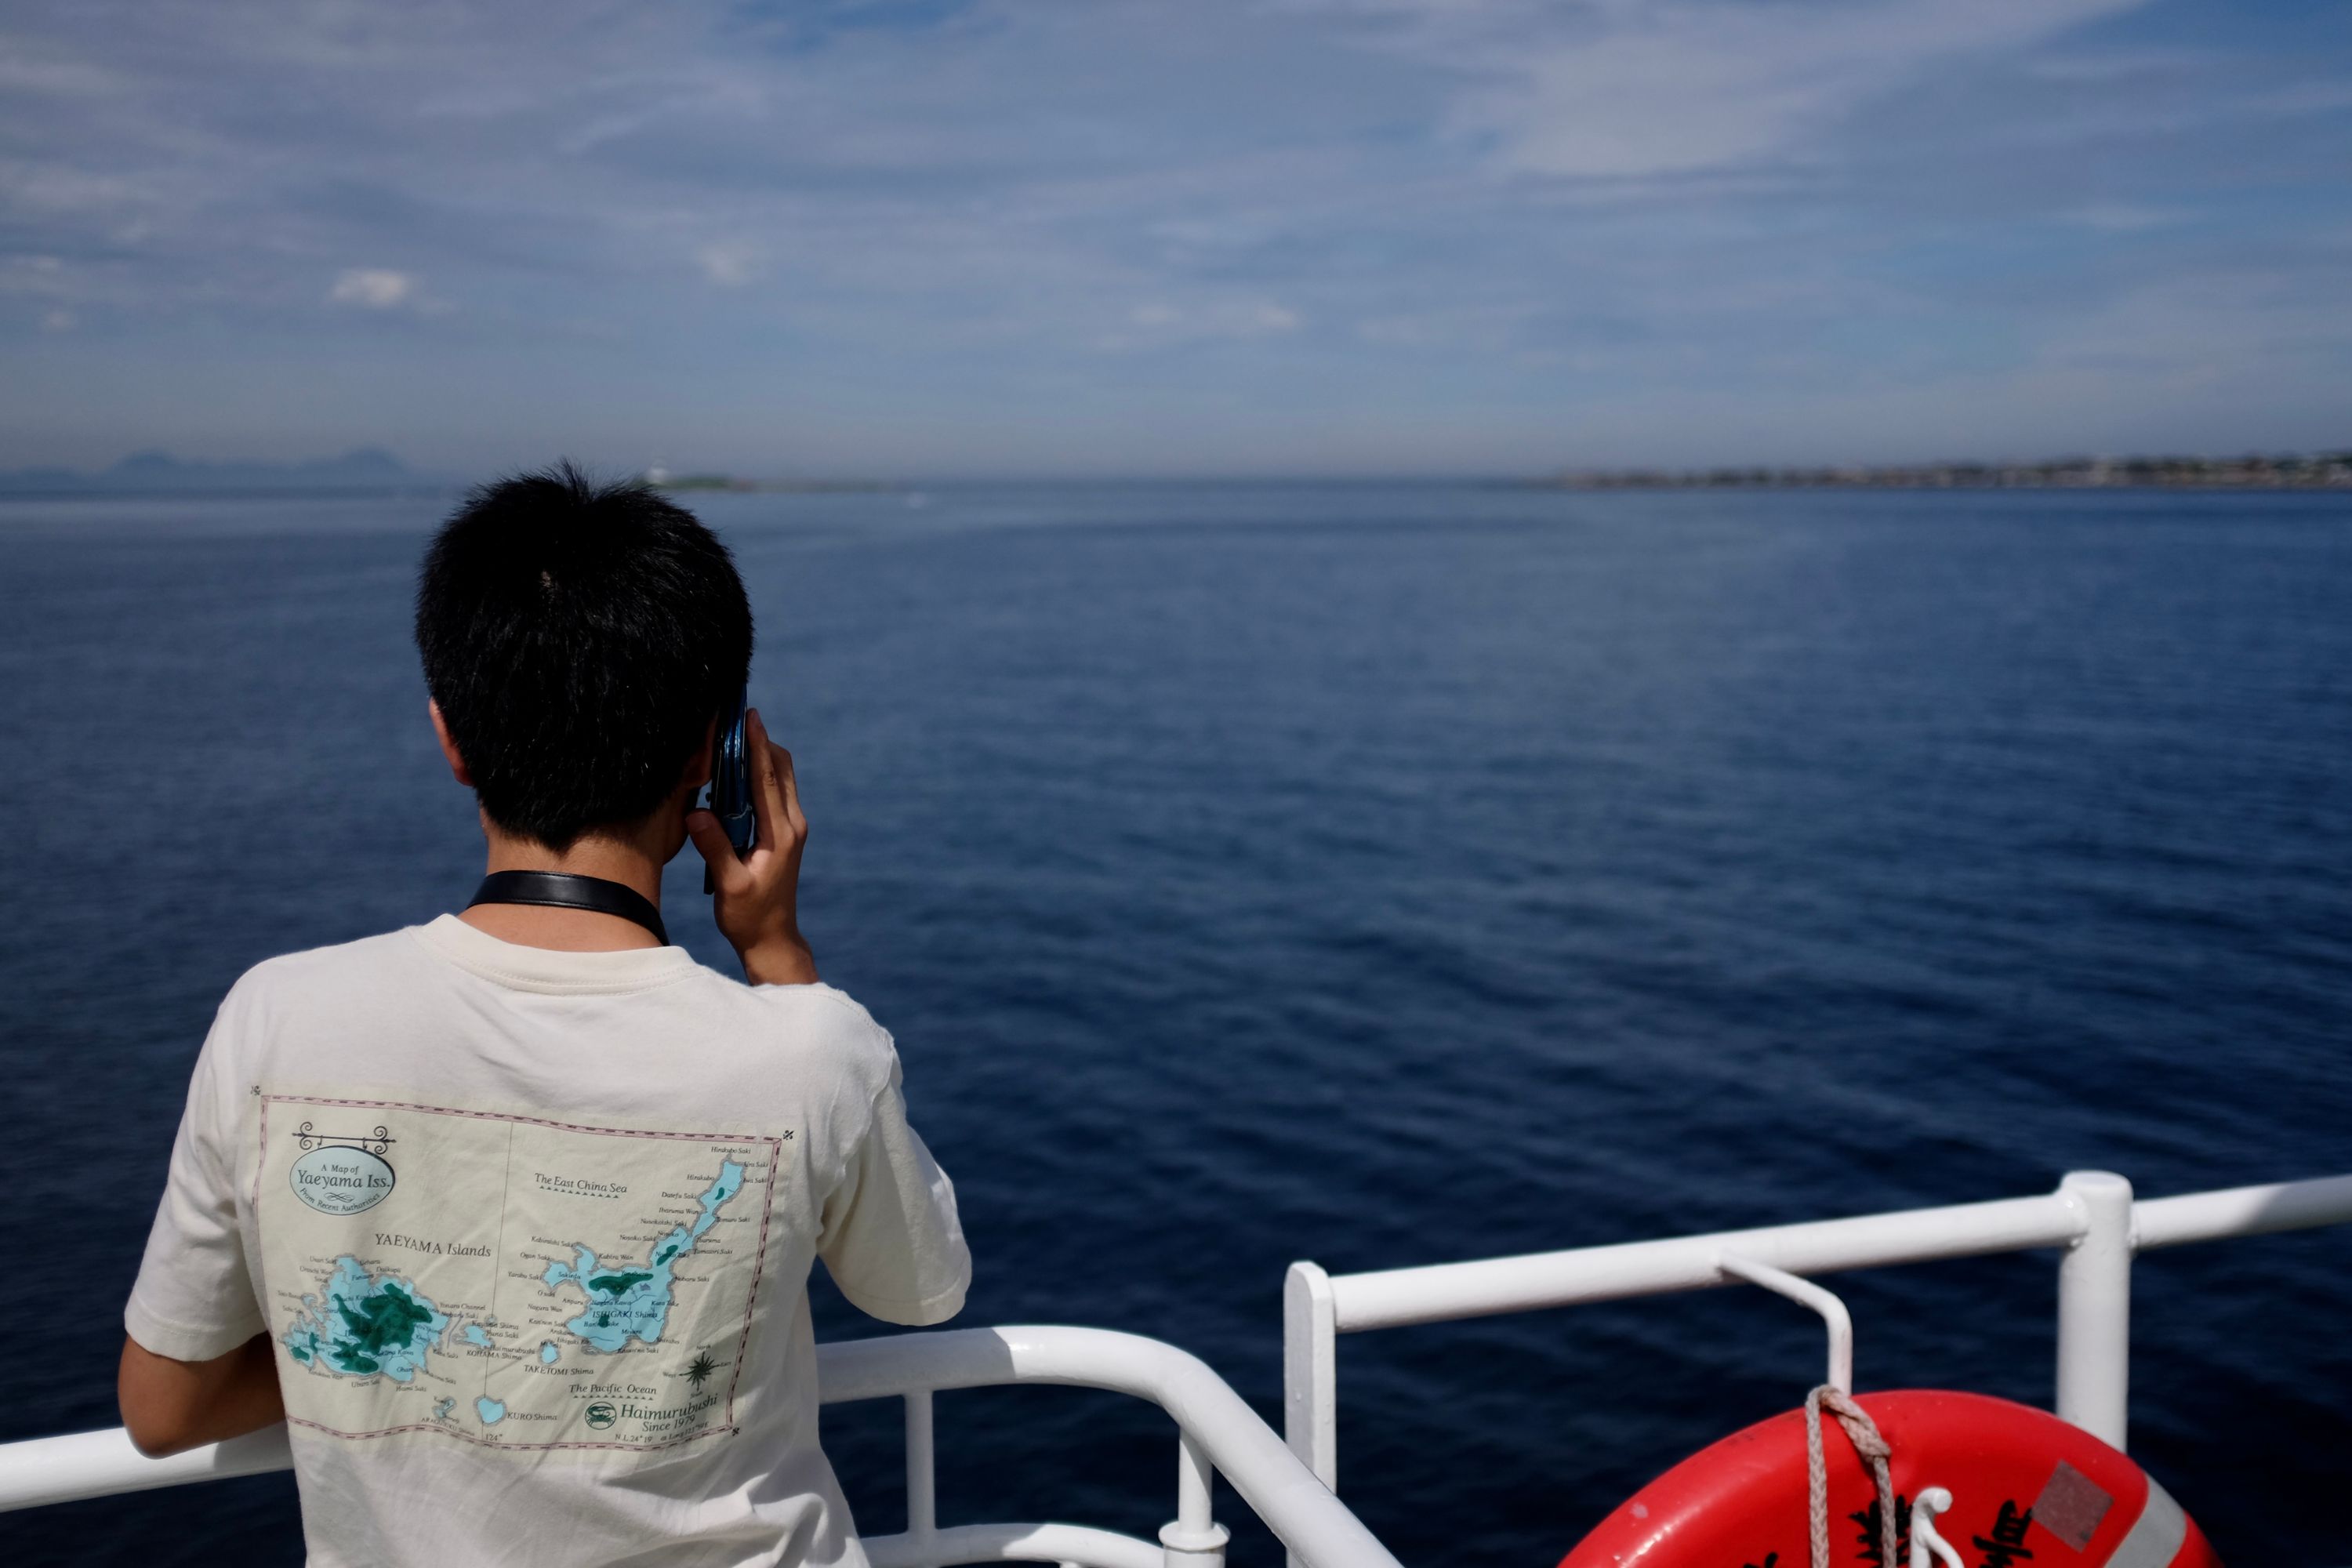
(1371, 874)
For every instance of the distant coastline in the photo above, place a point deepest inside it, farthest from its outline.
(662, 480)
(366, 470)
(374, 470)
(2297, 471)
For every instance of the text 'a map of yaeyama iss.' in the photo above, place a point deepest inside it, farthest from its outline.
(506, 1279)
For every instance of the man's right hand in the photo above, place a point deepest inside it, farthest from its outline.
(757, 901)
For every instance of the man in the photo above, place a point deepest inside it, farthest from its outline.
(510, 1216)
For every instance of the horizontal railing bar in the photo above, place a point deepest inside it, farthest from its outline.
(2241, 1211)
(1013, 1544)
(1300, 1510)
(1436, 1292)
(43, 1470)
(1488, 1286)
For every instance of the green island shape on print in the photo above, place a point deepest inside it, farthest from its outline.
(632, 1302)
(365, 1325)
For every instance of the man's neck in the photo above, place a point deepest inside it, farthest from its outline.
(567, 929)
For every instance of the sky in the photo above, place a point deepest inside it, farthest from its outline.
(923, 238)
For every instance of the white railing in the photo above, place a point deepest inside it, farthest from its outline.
(1217, 1433)
(2090, 1214)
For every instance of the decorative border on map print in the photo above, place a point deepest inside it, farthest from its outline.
(521, 1447)
(751, 1304)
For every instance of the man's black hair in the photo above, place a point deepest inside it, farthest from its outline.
(580, 639)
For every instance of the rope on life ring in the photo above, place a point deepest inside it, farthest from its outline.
(1863, 1433)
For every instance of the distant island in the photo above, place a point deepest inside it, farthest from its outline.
(155, 472)
(2299, 471)
(661, 479)
(362, 469)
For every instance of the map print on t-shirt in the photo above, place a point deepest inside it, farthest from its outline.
(508, 1280)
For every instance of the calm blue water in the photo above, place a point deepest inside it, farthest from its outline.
(1380, 876)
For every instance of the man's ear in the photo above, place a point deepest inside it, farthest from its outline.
(449, 746)
(698, 766)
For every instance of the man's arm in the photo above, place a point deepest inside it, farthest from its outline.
(891, 1237)
(170, 1405)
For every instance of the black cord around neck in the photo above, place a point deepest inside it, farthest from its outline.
(570, 891)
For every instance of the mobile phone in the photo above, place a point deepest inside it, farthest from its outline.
(730, 797)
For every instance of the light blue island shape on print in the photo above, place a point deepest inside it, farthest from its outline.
(364, 1325)
(490, 1410)
(548, 1353)
(478, 1335)
(633, 1300)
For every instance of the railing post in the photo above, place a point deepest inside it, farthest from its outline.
(1310, 1395)
(922, 1489)
(2095, 1307)
(1309, 1367)
(1193, 1539)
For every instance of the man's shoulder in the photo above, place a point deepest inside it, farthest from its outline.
(818, 1027)
(334, 966)
(825, 1021)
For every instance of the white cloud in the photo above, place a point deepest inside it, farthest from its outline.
(2122, 217)
(57, 318)
(1159, 322)
(730, 264)
(1634, 90)
(372, 288)
(32, 275)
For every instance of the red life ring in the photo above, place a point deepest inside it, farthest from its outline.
(2028, 1491)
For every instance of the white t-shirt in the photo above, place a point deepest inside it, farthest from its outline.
(531, 1232)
